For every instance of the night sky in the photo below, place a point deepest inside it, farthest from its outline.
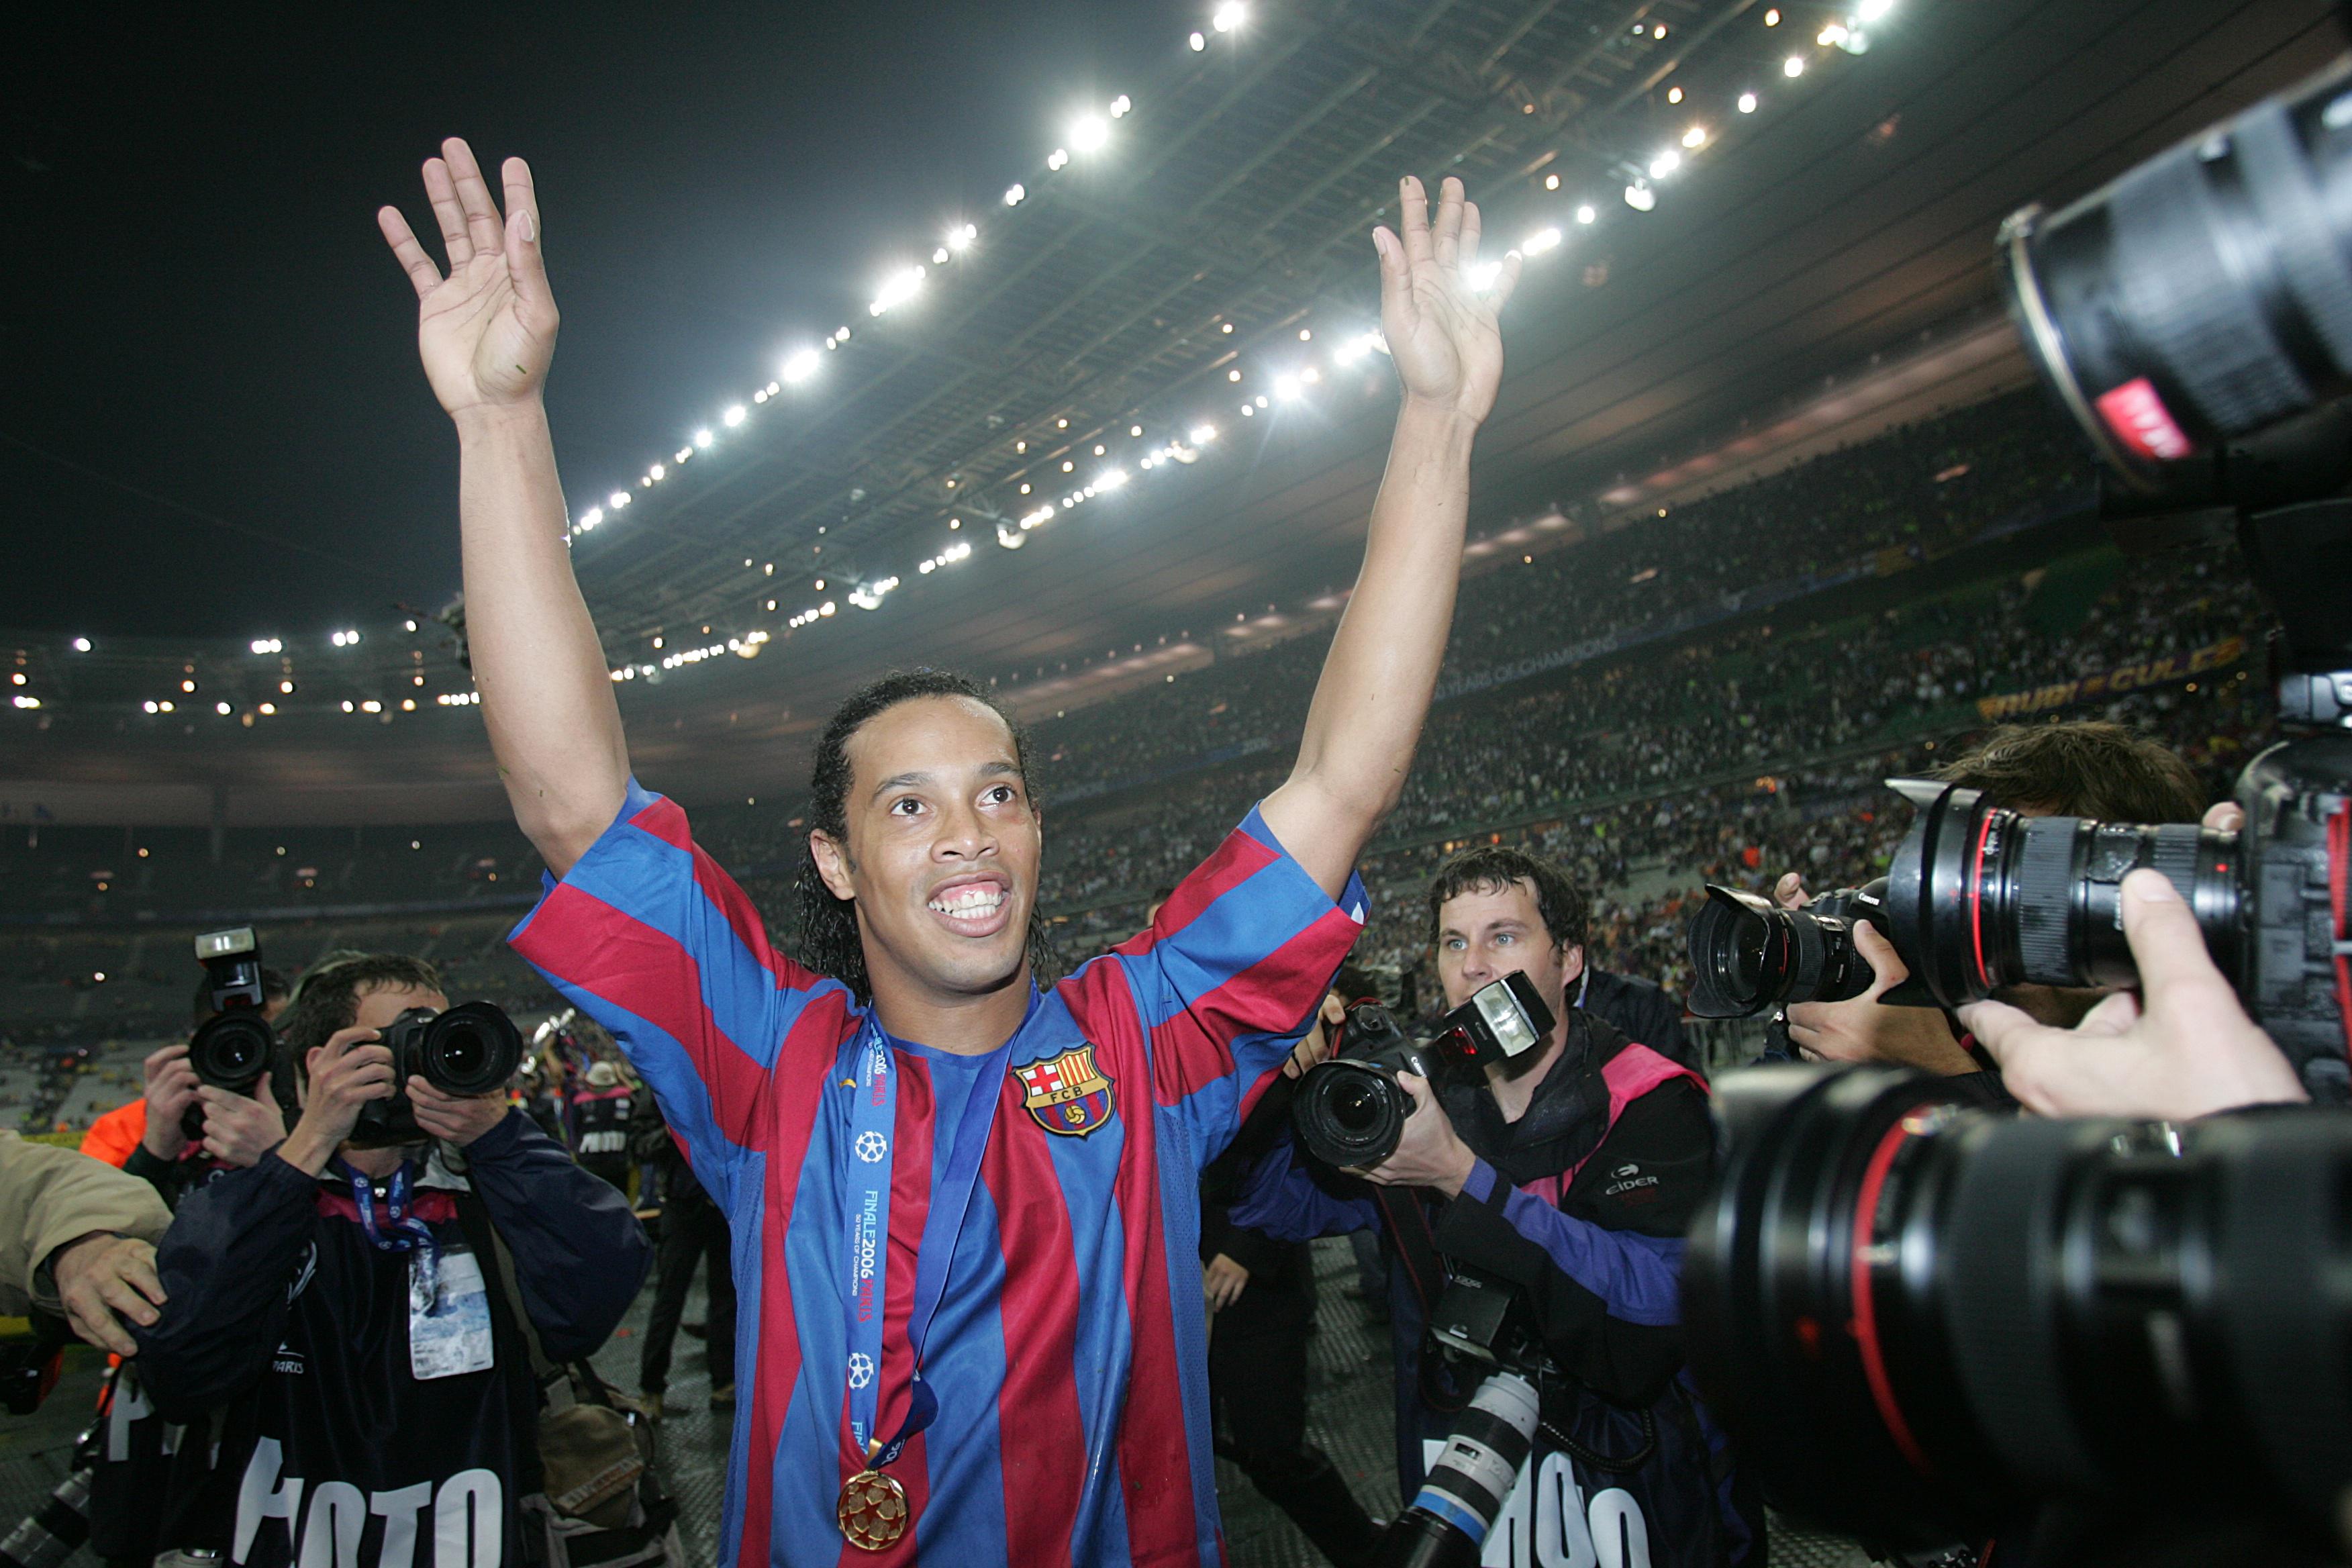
(212, 421)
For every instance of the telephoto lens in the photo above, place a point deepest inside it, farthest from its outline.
(472, 1048)
(1922, 1323)
(1447, 1524)
(2204, 294)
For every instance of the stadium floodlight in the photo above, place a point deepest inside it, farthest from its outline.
(1201, 434)
(1121, 106)
(222, 709)
(1228, 17)
(33, 702)
(1665, 163)
(1197, 42)
(82, 645)
(733, 416)
(1696, 137)
(1794, 66)
(1586, 213)
(960, 237)
(591, 518)
(799, 365)
(1111, 481)
(1058, 159)
(1089, 132)
(1746, 103)
(897, 290)
(1834, 34)
(1872, 10)
(1551, 182)
(939, 256)
(1640, 197)
(1536, 244)
(703, 438)
(656, 473)
(1015, 194)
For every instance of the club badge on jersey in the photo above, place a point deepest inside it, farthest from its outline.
(1067, 1093)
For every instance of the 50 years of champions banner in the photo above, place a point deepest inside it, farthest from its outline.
(2115, 682)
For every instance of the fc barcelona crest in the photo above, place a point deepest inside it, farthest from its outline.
(1067, 1093)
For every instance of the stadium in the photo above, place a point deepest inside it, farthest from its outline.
(1081, 391)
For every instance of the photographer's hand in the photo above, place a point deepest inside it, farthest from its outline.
(1430, 1153)
(457, 1118)
(240, 1129)
(1863, 1029)
(171, 1089)
(346, 1073)
(1223, 1280)
(102, 1275)
(2180, 1048)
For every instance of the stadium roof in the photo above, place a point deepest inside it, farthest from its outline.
(1220, 229)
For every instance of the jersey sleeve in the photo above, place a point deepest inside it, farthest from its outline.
(1231, 973)
(647, 936)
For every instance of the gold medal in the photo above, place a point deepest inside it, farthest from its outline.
(873, 1510)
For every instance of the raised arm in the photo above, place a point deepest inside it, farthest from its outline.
(487, 333)
(1382, 668)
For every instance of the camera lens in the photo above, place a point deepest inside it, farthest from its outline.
(1981, 898)
(1349, 1113)
(1918, 1318)
(1748, 956)
(231, 1050)
(2202, 295)
(472, 1048)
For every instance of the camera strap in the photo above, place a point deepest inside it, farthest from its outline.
(1405, 1210)
(401, 1230)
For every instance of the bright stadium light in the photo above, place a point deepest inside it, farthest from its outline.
(1586, 214)
(1121, 106)
(1872, 10)
(897, 290)
(960, 237)
(1197, 42)
(591, 518)
(1640, 197)
(1287, 387)
(799, 365)
(1089, 133)
(703, 438)
(1201, 434)
(1015, 194)
(1794, 66)
(1058, 159)
(1536, 244)
(1665, 163)
(82, 645)
(1228, 17)
(1746, 103)
(1696, 137)
(733, 416)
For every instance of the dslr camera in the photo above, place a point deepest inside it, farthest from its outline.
(1351, 1109)
(472, 1048)
(236, 1045)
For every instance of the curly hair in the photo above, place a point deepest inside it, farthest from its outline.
(1492, 867)
(830, 943)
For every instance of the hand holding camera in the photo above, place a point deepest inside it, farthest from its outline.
(239, 1129)
(2182, 1047)
(347, 1074)
(171, 1086)
(458, 1118)
(1429, 1153)
(1864, 1029)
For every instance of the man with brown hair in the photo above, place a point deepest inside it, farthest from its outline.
(2078, 768)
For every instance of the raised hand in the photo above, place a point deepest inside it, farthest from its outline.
(486, 331)
(1440, 325)
(346, 1073)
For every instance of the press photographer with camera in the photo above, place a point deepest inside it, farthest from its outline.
(1545, 1193)
(2080, 768)
(371, 1307)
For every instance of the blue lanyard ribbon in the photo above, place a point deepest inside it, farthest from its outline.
(871, 1155)
(401, 1230)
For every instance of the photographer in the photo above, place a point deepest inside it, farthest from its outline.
(344, 1301)
(1262, 1299)
(1570, 1172)
(145, 1137)
(693, 1231)
(2080, 768)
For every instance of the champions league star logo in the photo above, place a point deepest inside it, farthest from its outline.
(871, 1147)
(1068, 1094)
(861, 1370)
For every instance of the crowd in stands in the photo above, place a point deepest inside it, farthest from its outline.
(1645, 766)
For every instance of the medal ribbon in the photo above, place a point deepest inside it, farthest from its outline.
(401, 1231)
(871, 1155)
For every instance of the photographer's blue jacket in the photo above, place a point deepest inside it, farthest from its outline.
(286, 1318)
(1582, 1203)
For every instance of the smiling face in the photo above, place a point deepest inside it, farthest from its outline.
(941, 853)
(1487, 932)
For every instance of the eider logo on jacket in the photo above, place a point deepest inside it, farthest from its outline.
(1067, 1093)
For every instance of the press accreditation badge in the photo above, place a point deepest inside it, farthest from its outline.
(448, 1316)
